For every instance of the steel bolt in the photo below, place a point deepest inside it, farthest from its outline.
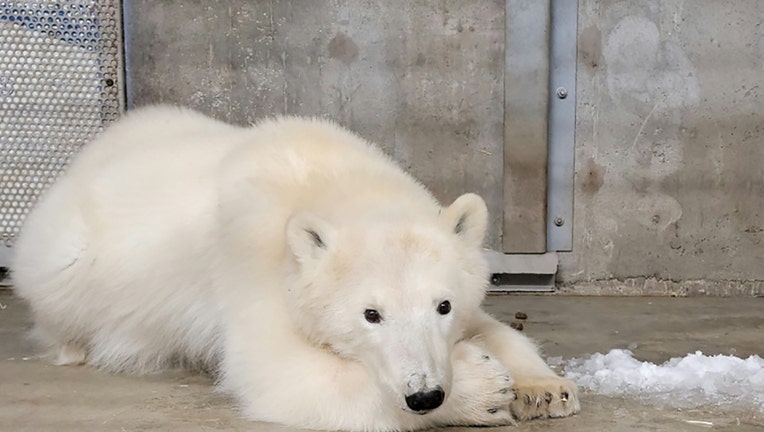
(562, 92)
(559, 221)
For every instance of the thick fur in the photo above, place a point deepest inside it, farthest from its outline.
(257, 252)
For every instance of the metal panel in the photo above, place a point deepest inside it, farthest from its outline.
(60, 81)
(521, 272)
(526, 79)
(422, 78)
(5, 259)
(562, 123)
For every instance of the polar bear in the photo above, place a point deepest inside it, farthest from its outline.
(323, 286)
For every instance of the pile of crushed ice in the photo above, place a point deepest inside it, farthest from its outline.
(684, 382)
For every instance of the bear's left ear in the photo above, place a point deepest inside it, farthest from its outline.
(468, 218)
(309, 237)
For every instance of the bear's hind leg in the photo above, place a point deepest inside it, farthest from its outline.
(59, 349)
(70, 354)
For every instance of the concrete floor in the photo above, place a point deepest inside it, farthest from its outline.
(36, 396)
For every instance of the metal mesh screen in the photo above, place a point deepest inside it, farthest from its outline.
(60, 84)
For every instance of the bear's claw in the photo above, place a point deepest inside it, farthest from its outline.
(544, 397)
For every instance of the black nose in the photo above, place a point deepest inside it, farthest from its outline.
(425, 400)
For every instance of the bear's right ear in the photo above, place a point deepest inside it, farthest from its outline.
(309, 236)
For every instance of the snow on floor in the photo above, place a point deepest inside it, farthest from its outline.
(683, 382)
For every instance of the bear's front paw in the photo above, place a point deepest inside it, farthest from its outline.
(544, 397)
(481, 389)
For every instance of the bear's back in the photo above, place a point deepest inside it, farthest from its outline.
(317, 165)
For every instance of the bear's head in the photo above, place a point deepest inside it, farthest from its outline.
(394, 292)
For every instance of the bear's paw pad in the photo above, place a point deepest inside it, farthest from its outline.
(544, 397)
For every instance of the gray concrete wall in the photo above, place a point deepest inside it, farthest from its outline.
(424, 79)
(669, 183)
(670, 145)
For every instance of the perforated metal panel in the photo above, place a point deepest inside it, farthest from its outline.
(60, 84)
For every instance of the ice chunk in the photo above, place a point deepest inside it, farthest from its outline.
(554, 361)
(682, 382)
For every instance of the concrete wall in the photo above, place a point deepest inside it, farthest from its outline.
(423, 79)
(670, 146)
(669, 183)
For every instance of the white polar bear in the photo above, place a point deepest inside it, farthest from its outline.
(325, 287)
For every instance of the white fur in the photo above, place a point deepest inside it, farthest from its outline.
(254, 252)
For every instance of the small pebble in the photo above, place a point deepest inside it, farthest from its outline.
(521, 315)
(517, 326)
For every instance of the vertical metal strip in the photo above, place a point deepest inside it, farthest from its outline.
(121, 72)
(128, 31)
(562, 123)
(526, 78)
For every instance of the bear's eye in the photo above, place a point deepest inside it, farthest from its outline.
(372, 316)
(444, 308)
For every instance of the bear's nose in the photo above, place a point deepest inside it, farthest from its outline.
(425, 401)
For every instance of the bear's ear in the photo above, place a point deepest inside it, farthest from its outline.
(309, 237)
(467, 217)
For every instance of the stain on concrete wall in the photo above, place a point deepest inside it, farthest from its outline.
(670, 167)
(422, 78)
